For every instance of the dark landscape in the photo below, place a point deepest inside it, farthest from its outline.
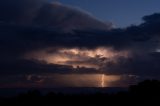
(144, 93)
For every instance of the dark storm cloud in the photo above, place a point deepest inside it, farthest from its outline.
(141, 65)
(44, 14)
(17, 11)
(20, 38)
(33, 36)
(28, 67)
(144, 45)
(25, 27)
(64, 17)
(24, 67)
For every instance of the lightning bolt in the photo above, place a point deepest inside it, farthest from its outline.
(102, 80)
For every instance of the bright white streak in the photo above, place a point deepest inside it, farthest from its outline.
(103, 81)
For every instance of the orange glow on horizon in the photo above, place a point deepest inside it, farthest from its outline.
(86, 80)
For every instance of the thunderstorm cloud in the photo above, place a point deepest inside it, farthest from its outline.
(39, 37)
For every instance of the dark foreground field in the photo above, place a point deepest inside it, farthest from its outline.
(144, 93)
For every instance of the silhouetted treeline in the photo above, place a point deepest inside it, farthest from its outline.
(144, 93)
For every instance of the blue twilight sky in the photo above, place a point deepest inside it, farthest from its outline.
(121, 12)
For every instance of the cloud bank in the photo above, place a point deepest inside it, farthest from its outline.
(52, 15)
(33, 34)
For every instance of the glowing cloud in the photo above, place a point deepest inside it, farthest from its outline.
(76, 57)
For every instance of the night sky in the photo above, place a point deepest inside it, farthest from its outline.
(121, 13)
(71, 43)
